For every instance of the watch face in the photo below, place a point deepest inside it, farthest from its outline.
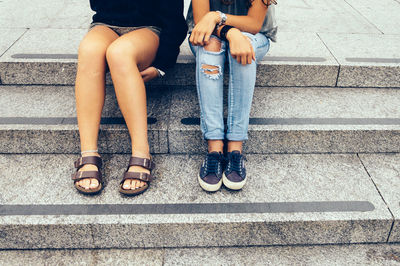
(223, 20)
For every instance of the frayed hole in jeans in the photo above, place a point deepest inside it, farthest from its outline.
(212, 72)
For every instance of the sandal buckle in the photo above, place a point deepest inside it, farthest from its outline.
(78, 162)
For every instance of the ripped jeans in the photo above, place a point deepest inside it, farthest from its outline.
(209, 81)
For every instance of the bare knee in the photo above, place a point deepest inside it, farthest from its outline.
(92, 49)
(91, 56)
(214, 45)
(212, 71)
(120, 54)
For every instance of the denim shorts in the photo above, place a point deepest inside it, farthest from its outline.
(123, 30)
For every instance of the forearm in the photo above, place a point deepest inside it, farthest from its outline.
(244, 23)
(200, 9)
(251, 22)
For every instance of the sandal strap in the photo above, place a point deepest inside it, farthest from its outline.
(143, 162)
(96, 160)
(87, 174)
(138, 176)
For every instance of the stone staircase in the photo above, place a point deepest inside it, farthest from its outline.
(322, 168)
(323, 157)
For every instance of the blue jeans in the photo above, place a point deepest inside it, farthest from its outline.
(242, 79)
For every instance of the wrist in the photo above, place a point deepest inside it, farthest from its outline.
(231, 32)
(222, 18)
(215, 16)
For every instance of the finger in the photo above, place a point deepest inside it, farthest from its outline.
(145, 72)
(146, 78)
(249, 59)
(244, 60)
(207, 38)
(201, 37)
(193, 38)
(239, 59)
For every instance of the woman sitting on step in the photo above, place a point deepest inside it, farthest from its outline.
(237, 31)
(137, 41)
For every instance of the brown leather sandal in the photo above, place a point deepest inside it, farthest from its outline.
(88, 174)
(147, 178)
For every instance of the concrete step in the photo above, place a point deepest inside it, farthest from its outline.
(289, 199)
(377, 254)
(317, 59)
(42, 119)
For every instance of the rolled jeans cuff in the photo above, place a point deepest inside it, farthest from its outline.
(214, 135)
(236, 137)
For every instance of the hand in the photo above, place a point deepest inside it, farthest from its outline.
(203, 30)
(149, 74)
(240, 47)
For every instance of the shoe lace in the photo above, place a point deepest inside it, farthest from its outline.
(212, 162)
(235, 162)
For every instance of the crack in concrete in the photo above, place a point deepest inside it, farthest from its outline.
(362, 15)
(380, 194)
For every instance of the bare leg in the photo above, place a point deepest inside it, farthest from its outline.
(215, 145)
(235, 146)
(90, 91)
(126, 57)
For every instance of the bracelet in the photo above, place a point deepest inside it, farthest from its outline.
(224, 31)
(160, 73)
(223, 18)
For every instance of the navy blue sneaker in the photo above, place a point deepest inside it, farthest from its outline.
(234, 176)
(210, 177)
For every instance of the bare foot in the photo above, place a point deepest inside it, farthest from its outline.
(89, 183)
(133, 183)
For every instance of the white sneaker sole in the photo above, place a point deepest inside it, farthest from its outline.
(209, 187)
(233, 185)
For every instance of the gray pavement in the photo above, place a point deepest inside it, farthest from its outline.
(301, 194)
(385, 171)
(306, 120)
(315, 38)
(283, 120)
(298, 255)
(329, 85)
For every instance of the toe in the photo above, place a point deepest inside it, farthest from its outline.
(133, 184)
(94, 183)
(140, 184)
(127, 184)
(86, 183)
(81, 183)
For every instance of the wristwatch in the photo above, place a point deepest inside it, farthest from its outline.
(223, 18)
(160, 73)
